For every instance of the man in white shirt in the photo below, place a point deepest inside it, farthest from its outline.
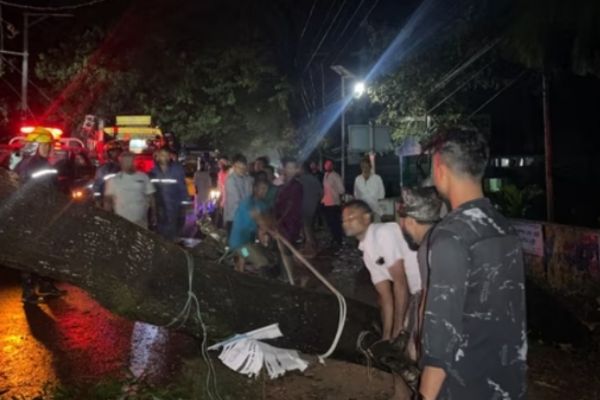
(333, 190)
(130, 193)
(393, 268)
(368, 187)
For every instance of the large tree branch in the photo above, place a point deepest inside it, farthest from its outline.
(136, 274)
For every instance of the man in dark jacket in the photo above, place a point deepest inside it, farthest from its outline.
(171, 194)
(107, 171)
(36, 170)
(474, 330)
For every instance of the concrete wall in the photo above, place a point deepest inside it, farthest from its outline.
(564, 258)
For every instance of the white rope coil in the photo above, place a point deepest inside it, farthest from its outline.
(338, 295)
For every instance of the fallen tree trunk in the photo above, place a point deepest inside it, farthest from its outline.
(134, 273)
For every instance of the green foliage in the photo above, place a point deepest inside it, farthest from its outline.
(557, 34)
(415, 89)
(515, 202)
(218, 95)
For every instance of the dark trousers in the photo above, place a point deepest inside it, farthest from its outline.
(333, 216)
(30, 282)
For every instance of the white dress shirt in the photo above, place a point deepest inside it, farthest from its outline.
(370, 191)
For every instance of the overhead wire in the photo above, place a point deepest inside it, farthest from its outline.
(310, 13)
(324, 37)
(10, 85)
(41, 91)
(498, 93)
(355, 31)
(349, 21)
(339, 24)
(462, 66)
(460, 87)
(50, 8)
(323, 22)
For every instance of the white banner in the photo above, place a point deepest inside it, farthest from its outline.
(531, 236)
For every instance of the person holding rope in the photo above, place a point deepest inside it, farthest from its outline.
(244, 229)
(393, 269)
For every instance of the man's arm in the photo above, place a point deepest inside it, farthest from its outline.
(400, 289)
(380, 189)
(442, 327)
(386, 304)
(232, 197)
(108, 200)
(432, 380)
(153, 210)
(340, 185)
(182, 185)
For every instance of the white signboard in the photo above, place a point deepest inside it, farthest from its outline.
(531, 236)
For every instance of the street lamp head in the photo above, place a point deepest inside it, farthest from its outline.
(359, 89)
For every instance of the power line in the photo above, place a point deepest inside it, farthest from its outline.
(498, 93)
(460, 87)
(349, 21)
(49, 8)
(312, 9)
(332, 4)
(461, 67)
(17, 93)
(324, 36)
(355, 31)
(41, 91)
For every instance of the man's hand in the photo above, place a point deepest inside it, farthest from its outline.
(265, 222)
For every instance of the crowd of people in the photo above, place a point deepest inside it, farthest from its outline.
(453, 283)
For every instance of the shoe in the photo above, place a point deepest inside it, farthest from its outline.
(32, 299)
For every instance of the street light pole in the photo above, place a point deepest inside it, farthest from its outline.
(359, 89)
(25, 53)
(25, 64)
(343, 148)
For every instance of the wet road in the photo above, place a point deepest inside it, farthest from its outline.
(74, 340)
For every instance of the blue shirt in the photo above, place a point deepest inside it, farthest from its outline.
(244, 227)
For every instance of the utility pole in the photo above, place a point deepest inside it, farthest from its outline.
(548, 149)
(24, 54)
(1, 40)
(343, 148)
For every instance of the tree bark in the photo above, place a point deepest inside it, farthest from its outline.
(134, 273)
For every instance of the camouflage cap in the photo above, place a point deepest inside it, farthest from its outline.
(421, 203)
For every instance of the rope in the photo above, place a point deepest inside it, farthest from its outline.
(359, 340)
(338, 295)
(184, 315)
